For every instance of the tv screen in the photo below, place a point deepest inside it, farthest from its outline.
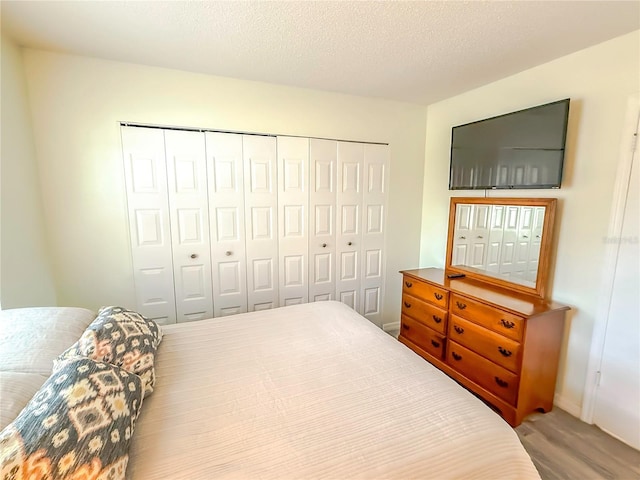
(523, 149)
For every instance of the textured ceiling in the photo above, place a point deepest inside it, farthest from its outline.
(418, 52)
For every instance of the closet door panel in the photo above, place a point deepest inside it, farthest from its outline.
(260, 194)
(349, 234)
(293, 211)
(462, 234)
(323, 155)
(510, 241)
(534, 251)
(479, 237)
(496, 232)
(376, 184)
(150, 233)
(189, 213)
(227, 210)
(526, 227)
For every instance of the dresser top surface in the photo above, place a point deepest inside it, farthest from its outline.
(513, 301)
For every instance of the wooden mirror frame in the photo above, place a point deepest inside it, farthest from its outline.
(545, 243)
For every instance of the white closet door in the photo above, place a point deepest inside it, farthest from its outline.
(375, 186)
(148, 208)
(260, 184)
(293, 212)
(322, 219)
(188, 207)
(479, 236)
(523, 244)
(510, 240)
(496, 232)
(226, 211)
(349, 234)
(462, 234)
(534, 251)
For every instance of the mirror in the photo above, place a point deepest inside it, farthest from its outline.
(502, 241)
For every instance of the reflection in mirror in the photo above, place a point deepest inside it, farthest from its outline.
(501, 241)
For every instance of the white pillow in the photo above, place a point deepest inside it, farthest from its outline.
(31, 338)
(16, 389)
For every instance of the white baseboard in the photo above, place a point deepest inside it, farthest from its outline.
(387, 327)
(568, 406)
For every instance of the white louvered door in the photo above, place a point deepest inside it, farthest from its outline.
(348, 222)
(260, 184)
(293, 212)
(227, 213)
(375, 185)
(189, 214)
(148, 209)
(322, 219)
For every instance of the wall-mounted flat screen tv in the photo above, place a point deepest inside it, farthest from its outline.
(523, 149)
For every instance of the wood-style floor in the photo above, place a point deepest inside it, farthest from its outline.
(563, 447)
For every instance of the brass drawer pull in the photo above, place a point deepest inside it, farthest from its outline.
(501, 382)
(458, 329)
(507, 324)
(435, 344)
(438, 296)
(504, 352)
(407, 304)
(408, 284)
(436, 319)
(461, 305)
(456, 356)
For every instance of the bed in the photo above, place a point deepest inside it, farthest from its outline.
(310, 391)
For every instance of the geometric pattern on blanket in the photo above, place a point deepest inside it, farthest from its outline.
(123, 338)
(77, 426)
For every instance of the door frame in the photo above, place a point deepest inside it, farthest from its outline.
(621, 189)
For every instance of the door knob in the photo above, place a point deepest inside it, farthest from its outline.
(228, 253)
(194, 255)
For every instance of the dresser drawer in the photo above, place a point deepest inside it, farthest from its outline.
(497, 348)
(425, 291)
(493, 318)
(485, 373)
(422, 336)
(427, 313)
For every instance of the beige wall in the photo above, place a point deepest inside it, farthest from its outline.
(77, 103)
(26, 278)
(598, 80)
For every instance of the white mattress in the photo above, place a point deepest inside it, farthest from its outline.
(311, 391)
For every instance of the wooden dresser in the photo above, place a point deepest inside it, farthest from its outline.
(504, 346)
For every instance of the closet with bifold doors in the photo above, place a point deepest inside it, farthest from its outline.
(225, 223)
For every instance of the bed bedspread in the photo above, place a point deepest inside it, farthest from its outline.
(311, 391)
